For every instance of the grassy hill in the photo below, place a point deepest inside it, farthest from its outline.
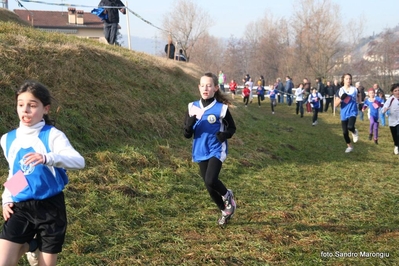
(141, 201)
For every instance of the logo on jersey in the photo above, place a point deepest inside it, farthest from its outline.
(211, 119)
(26, 169)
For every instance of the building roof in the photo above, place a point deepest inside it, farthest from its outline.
(57, 19)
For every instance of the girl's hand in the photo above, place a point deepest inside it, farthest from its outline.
(34, 158)
(7, 211)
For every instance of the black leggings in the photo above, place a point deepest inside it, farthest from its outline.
(315, 114)
(210, 170)
(348, 125)
(246, 98)
(395, 135)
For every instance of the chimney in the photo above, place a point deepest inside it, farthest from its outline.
(79, 18)
(71, 15)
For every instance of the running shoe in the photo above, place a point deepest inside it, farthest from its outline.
(355, 136)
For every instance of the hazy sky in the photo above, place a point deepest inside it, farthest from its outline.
(232, 16)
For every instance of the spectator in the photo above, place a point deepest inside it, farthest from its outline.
(111, 23)
(262, 80)
(288, 89)
(280, 88)
(170, 49)
(181, 57)
(329, 96)
(320, 89)
(361, 96)
(222, 80)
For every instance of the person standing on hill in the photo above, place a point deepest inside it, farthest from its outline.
(33, 200)
(329, 96)
(320, 89)
(392, 105)
(288, 89)
(347, 98)
(280, 87)
(111, 23)
(170, 49)
(362, 97)
(210, 123)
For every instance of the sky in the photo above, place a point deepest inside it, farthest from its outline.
(230, 16)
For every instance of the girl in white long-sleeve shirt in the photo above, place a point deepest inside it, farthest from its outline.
(392, 104)
(38, 155)
(299, 94)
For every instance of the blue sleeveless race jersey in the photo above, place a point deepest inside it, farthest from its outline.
(43, 181)
(205, 143)
(348, 109)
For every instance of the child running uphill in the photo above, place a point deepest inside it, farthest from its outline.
(272, 94)
(245, 94)
(347, 98)
(374, 104)
(233, 88)
(314, 100)
(210, 123)
(392, 105)
(33, 201)
(260, 91)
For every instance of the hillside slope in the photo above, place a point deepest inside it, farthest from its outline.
(105, 94)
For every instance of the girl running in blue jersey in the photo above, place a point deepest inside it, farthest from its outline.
(374, 104)
(347, 97)
(210, 123)
(33, 201)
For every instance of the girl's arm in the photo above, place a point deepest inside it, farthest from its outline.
(62, 153)
(230, 124)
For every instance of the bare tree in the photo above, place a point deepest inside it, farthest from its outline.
(382, 56)
(317, 27)
(207, 53)
(186, 22)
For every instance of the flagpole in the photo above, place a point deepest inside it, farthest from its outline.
(128, 27)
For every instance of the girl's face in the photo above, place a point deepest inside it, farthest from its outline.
(30, 109)
(372, 93)
(347, 80)
(207, 88)
(395, 92)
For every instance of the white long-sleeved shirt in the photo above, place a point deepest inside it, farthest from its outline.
(299, 94)
(61, 154)
(392, 104)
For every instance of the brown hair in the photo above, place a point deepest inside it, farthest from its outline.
(219, 95)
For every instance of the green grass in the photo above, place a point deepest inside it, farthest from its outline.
(140, 199)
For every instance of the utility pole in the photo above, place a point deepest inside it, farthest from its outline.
(128, 27)
(4, 4)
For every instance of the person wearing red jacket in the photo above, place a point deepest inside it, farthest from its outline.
(245, 94)
(233, 88)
